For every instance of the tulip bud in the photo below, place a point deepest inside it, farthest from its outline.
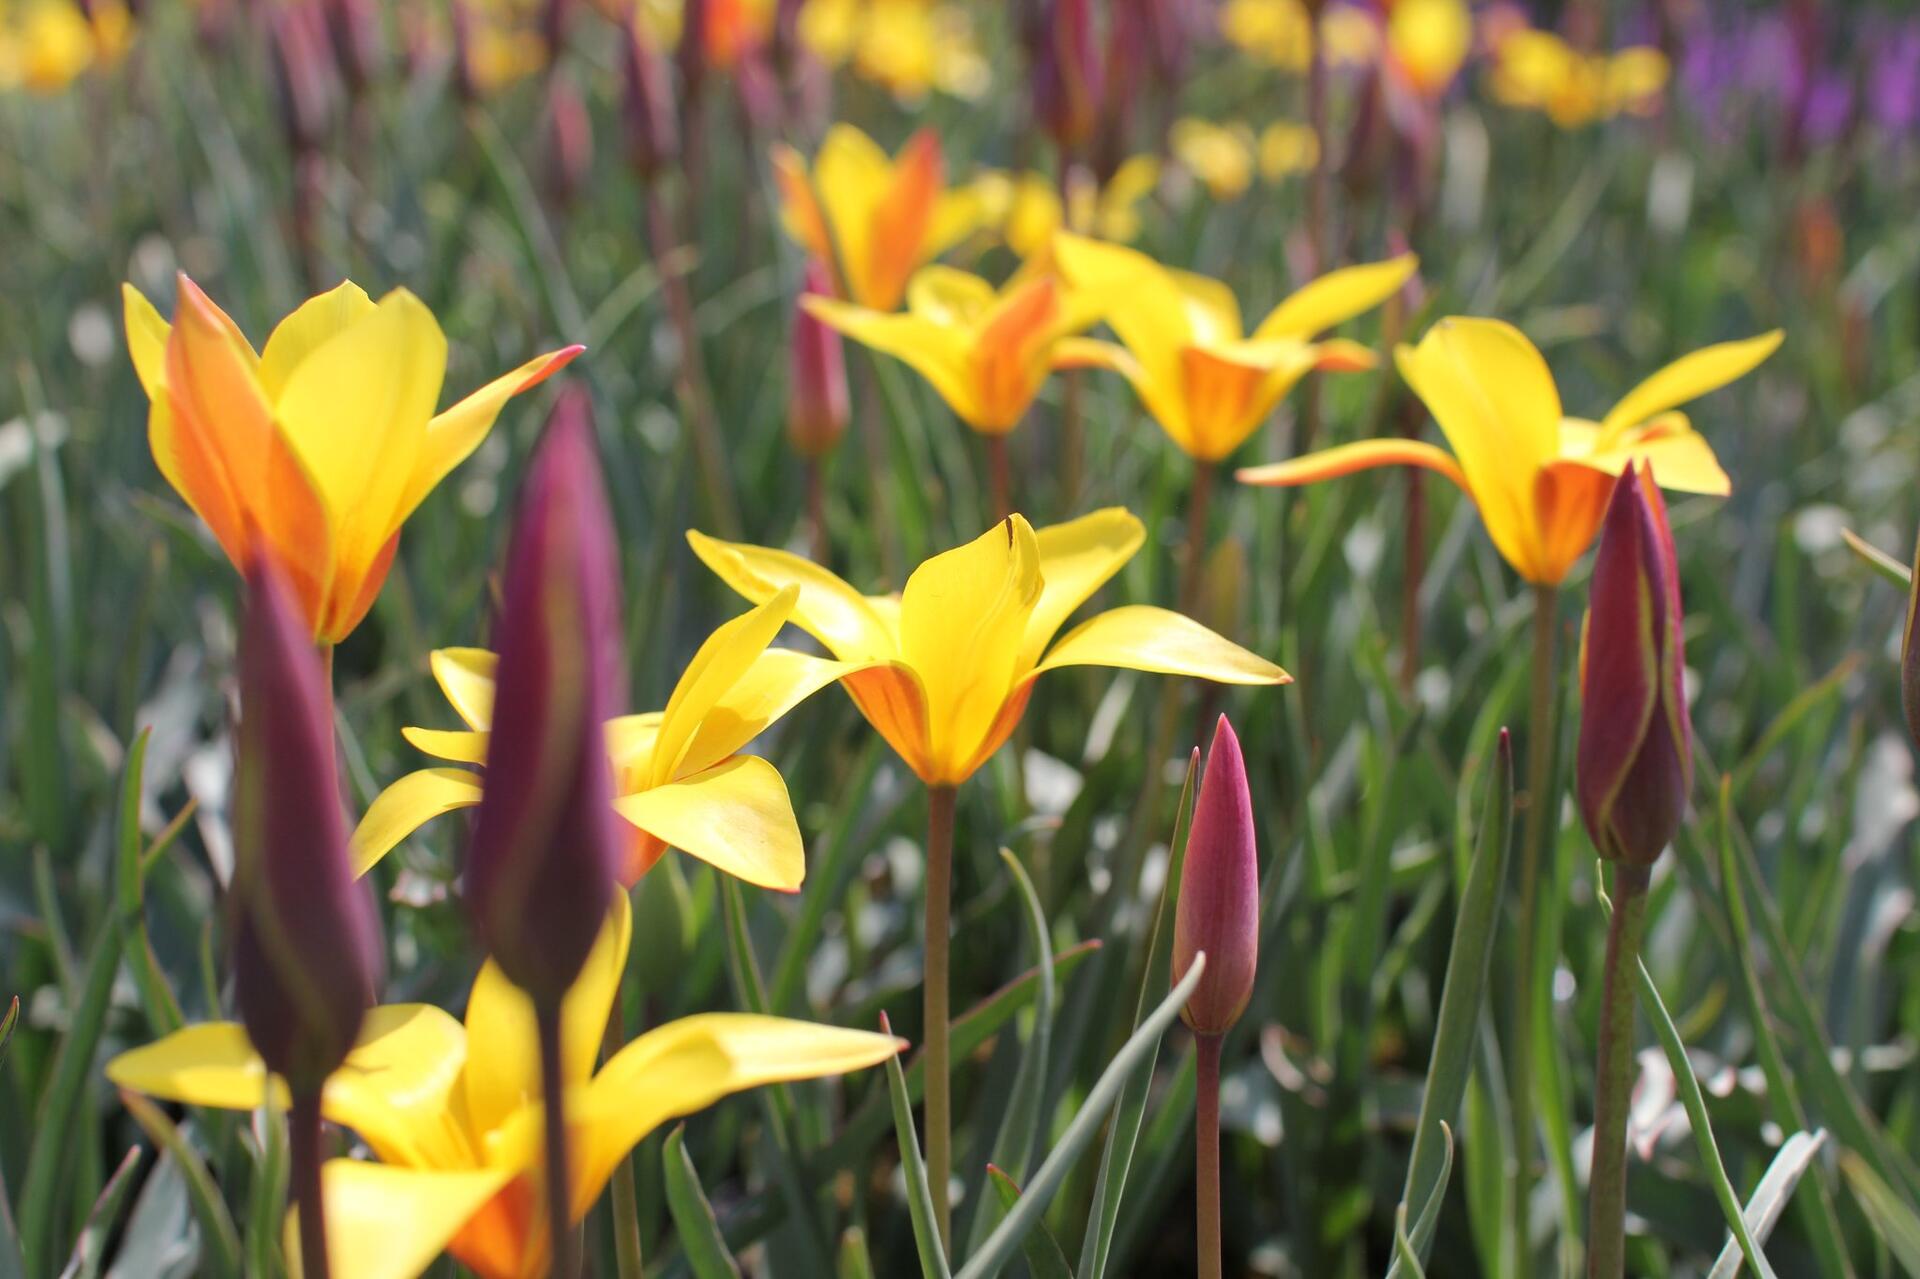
(1635, 760)
(1067, 72)
(306, 940)
(569, 137)
(1910, 654)
(1219, 910)
(546, 841)
(817, 398)
(652, 135)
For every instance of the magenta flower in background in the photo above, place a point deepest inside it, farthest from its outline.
(1067, 74)
(817, 407)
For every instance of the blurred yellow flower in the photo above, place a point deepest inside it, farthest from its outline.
(319, 446)
(1538, 71)
(452, 1110)
(733, 27)
(1276, 32)
(1287, 148)
(1031, 210)
(874, 220)
(985, 352)
(1207, 383)
(947, 665)
(1219, 155)
(1428, 41)
(679, 778)
(46, 44)
(908, 47)
(1539, 479)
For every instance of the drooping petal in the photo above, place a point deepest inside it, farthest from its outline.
(1141, 637)
(717, 666)
(503, 1069)
(212, 1064)
(390, 1223)
(1345, 459)
(307, 329)
(455, 433)
(466, 675)
(1690, 377)
(828, 609)
(407, 805)
(1077, 558)
(963, 619)
(735, 816)
(936, 352)
(778, 680)
(687, 1065)
(1336, 297)
(462, 746)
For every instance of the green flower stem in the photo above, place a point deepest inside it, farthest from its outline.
(1613, 1076)
(1206, 1152)
(566, 1258)
(939, 1096)
(1539, 808)
(1199, 505)
(304, 1120)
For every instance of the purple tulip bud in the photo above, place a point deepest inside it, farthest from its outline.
(1219, 911)
(569, 139)
(652, 133)
(1067, 72)
(1636, 741)
(817, 398)
(546, 841)
(306, 941)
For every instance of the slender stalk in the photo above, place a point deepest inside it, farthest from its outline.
(1613, 1077)
(939, 1097)
(1319, 243)
(1199, 506)
(1206, 1151)
(304, 1120)
(873, 440)
(626, 1207)
(566, 1258)
(817, 510)
(1415, 562)
(1538, 809)
(999, 476)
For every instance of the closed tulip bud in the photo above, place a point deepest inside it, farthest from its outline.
(306, 942)
(652, 133)
(546, 841)
(1635, 760)
(1067, 72)
(1910, 654)
(817, 398)
(1219, 911)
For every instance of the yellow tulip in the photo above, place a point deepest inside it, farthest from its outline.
(985, 352)
(1539, 71)
(1428, 41)
(1287, 148)
(46, 44)
(679, 779)
(452, 1110)
(1207, 384)
(907, 47)
(318, 447)
(1540, 479)
(1034, 211)
(1276, 32)
(944, 670)
(1219, 155)
(874, 220)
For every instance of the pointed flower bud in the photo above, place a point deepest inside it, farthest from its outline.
(647, 107)
(1219, 911)
(817, 396)
(1067, 72)
(306, 938)
(1635, 761)
(546, 841)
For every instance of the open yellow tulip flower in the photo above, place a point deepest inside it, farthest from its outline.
(679, 779)
(318, 447)
(872, 218)
(944, 669)
(1206, 382)
(1539, 71)
(1539, 478)
(985, 352)
(452, 1111)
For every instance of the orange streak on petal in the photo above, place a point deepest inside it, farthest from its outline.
(494, 1240)
(346, 610)
(1010, 352)
(902, 218)
(643, 853)
(1002, 728)
(1569, 502)
(891, 700)
(555, 362)
(1345, 459)
(1220, 396)
(800, 208)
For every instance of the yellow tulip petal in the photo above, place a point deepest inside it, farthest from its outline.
(503, 1070)
(397, 1087)
(735, 816)
(1678, 455)
(778, 680)
(948, 296)
(1345, 459)
(1076, 559)
(212, 1064)
(454, 434)
(147, 333)
(850, 176)
(1213, 312)
(800, 212)
(963, 619)
(390, 1223)
(717, 666)
(1150, 314)
(1336, 297)
(828, 609)
(687, 1065)
(462, 746)
(407, 805)
(1690, 377)
(465, 675)
(631, 737)
(894, 701)
(935, 351)
(1143, 638)
(307, 329)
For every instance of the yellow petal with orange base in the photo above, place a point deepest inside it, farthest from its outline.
(1345, 459)
(736, 816)
(390, 1223)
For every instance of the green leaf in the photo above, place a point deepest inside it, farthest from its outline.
(1895, 1223)
(1695, 1104)
(156, 996)
(1404, 1257)
(90, 1250)
(855, 1262)
(692, 1214)
(1878, 560)
(1770, 1197)
(1461, 1001)
(1001, 1244)
(1042, 1250)
(7, 1024)
(1116, 1159)
(926, 1238)
(221, 1240)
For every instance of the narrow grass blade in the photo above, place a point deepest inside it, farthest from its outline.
(91, 1248)
(130, 865)
(1695, 1104)
(1116, 1159)
(1405, 1259)
(1878, 560)
(7, 1023)
(692, 1214)
(219, 1238)
(926, 1239)
(1892, 1220)
(1013, 1144)
(855, 1261)
(1461, 999)
(1042, 1250)
(1770, 1197)
(267, 1198)
(1005, 1240)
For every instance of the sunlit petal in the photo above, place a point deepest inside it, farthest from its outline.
(1143, 638)
(310, 326)
(1076, 559)
(717, 666)
(778, 680)
(1336, 297)
(735, 816)
(454, 434)
(1345, 459)
(407, 805)
(828, 609)
(1690, 377)
(465, 675)
(390, 1223)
